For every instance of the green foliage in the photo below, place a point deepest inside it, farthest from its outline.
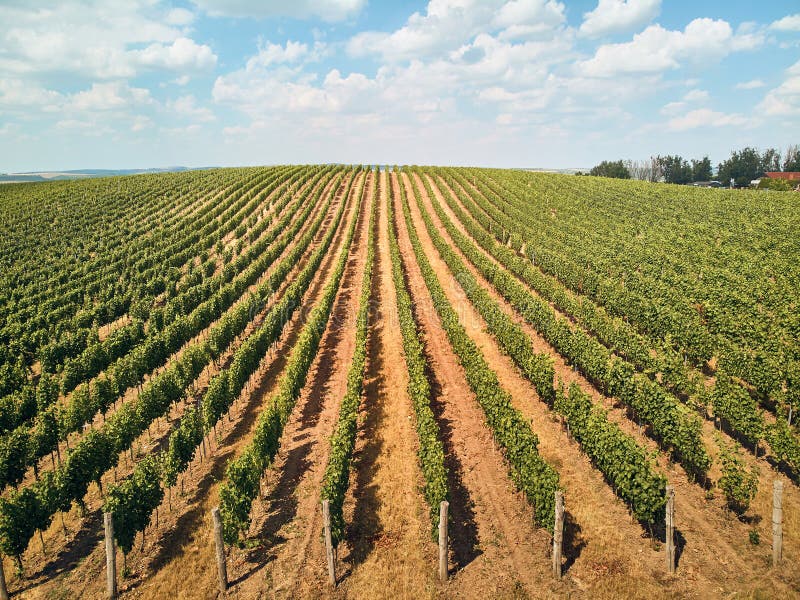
(791, 159)
(529, 471)
(619, 458)
(431, 450)
(747, 164)
(676, 169)
(132, 501)
(337, 473)
(737, 409)
(784, 442)
(776, 185)
(238, 491)
(739, 484)
(99, 449)
(672, 423)
(625, 464)
(754, 537)
(701, 169)
(615, 169)
(183, 442)
(17, 521)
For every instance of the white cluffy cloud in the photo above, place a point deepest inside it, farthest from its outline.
(618, 16)
(328, 10)
(657, 49)
(787, 23)
(705, 117)
(183, 54)
(118, 41)
(292, 52)
(186, 106)
(696, 96)
(448, 24)
(784, 100)
(109, 96)
(750, 85)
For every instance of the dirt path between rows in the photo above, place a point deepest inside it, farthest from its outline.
(390, 551)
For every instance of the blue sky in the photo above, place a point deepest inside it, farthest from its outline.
(535, 83)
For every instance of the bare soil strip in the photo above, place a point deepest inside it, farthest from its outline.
(390, 551)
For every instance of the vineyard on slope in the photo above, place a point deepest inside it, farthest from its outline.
(177, 342)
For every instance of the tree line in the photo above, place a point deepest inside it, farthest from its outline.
(742, 166)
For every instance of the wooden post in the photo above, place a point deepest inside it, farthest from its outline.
(111, 556)
(777, 521)
(670, 527)
(222, 570)
(558, 535)
(443, 541)
(3, 587)
(326, 524)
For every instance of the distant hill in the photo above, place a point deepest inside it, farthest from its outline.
(84, 173)
(562, 171)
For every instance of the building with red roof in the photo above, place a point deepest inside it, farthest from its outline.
(790, 175)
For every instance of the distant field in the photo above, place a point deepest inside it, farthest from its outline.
(78, 174)
(265, 339)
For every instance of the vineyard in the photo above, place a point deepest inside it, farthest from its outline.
(277, 382)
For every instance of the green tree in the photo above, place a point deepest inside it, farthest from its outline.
(616, 169)
(701, 169)
(791, 160)
(771, 160)
(743, 166)
(18, 519)
(675, 168)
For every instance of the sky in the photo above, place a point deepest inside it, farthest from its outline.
(507, 83)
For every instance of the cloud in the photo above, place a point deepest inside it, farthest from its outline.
(447, 24)
(618, 16)
(521, 19)
(327, 10)
(186, 106)
(705, 117)
(26, 95)
(179, 16)
(140, 123)
(784, 100)
(57, 37)
(266, 93)
(109, 96)
(182, 54)
(656, 49)
(88, 127)
(696, 96)
(787, 23)
(672, 108)
(750, 85)
(292, 52)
